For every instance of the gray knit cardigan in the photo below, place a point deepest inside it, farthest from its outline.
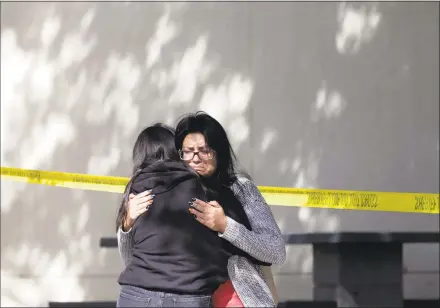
(264, 243)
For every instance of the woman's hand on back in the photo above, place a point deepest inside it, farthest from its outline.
(210, 214)
(136, 206)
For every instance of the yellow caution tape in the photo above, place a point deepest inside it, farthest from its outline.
(321, 198)
(69, 180)
(353, 200)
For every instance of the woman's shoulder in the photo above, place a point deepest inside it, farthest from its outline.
(243, 185)
(242, 180)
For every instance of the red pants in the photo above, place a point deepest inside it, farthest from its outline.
(225, 296)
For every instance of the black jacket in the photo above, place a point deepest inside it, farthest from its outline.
(173, 252)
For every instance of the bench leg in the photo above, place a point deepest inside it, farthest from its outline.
(359, 274)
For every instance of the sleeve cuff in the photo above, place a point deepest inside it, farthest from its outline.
(124, 235)
(232, 230)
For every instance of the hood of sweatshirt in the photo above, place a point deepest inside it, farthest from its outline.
(161, 176)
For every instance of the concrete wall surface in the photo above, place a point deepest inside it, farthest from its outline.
(319, 95)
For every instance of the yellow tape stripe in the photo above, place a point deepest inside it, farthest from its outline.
(334, 199)
(353, 200)
(69, 180)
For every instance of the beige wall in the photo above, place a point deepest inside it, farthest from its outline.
(312, 95)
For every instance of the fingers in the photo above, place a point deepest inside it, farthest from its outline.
(199, 205)
(142, 210)
(202, 221)
(198, 215)
(144, 193)
(195, 213)
(139, 206)
(141, 201)
(214, 204)
(143, 196)
(143, 205)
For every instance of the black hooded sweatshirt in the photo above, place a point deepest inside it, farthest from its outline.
(173, 252)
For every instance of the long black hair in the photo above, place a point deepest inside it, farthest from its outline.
(155, 142)
(216, 138)
(218, 185)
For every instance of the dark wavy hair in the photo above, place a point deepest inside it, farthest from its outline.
(216, 138)
(154, 143)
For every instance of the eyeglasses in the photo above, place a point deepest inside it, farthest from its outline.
(189, 155)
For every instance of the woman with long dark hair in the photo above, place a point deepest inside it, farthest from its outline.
(154, 143)
(247, 226)
(174, 260)
(236, 211)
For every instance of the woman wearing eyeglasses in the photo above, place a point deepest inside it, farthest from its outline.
(236, 211)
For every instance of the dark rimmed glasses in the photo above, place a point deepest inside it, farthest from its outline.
(187, 155)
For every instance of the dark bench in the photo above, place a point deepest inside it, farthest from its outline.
(353, 269)
(360, 269)
(108, 242)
